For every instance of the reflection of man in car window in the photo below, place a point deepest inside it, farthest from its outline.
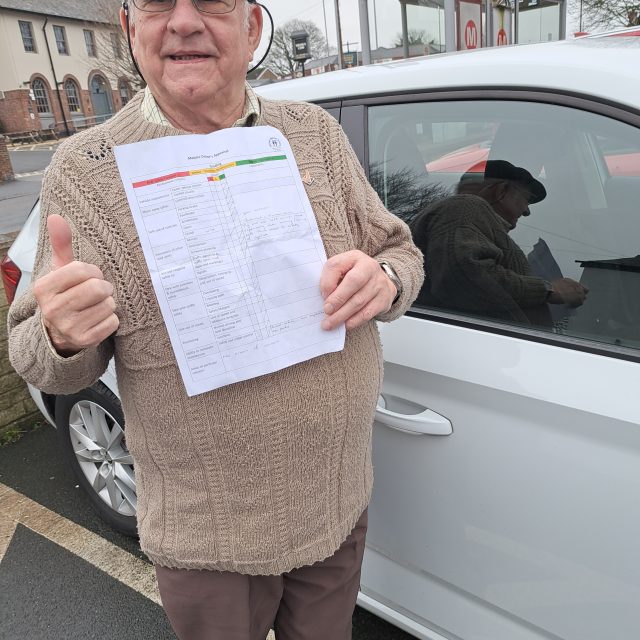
(471, 263)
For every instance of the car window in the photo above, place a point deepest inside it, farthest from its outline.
(527, 213)
(334, 111)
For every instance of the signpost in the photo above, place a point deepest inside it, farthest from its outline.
(470, 24)
(301, 48)
(350, 59)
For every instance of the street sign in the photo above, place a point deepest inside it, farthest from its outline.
(350, 59)
(301, 46)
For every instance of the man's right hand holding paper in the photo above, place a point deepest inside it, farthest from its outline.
(76, 302)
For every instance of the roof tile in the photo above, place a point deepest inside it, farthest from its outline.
(90, 10)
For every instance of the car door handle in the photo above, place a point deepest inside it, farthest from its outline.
(425, 423)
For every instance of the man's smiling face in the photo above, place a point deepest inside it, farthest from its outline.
(189, 58)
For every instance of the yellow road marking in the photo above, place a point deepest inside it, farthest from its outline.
(116, 562)
(7, 529)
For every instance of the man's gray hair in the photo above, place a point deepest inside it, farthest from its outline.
(247, 12)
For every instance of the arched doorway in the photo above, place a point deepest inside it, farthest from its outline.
(101, 98)
(43, 104)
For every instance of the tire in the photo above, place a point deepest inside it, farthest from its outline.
(90, 427)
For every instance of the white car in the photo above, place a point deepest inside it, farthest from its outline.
(506, 453)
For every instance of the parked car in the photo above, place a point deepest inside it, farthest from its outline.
(506, 455)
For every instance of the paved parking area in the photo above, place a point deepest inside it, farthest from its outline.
(18, 197)
(63, 573)
(16, 200)
(66, 575)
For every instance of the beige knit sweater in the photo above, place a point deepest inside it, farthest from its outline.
(258, 477)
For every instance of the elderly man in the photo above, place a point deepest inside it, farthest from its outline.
(251, 498)
(472, 264)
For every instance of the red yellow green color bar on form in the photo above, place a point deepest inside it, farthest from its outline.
(199, 172)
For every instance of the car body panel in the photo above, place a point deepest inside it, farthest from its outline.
(511, 519)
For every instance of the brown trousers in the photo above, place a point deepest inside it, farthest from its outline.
(310, 603)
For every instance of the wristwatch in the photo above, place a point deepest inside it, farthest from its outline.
(549, 288)
(393, 276)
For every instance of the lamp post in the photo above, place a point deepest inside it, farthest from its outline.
(375, 23)
(339, 35)
(326, 30)
(580, 16)
(364, 31)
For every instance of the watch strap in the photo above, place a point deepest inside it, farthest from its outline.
(393, 276)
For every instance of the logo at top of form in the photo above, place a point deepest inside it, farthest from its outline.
(275, 143)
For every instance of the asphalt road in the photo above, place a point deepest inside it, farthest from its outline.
(18, 197)
(50, 593)
(28, 158)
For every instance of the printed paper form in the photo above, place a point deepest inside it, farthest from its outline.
(234, 252)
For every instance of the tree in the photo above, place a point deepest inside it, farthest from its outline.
(281, 59)
(606, 14)
(415, 36)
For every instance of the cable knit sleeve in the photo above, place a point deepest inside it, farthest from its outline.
(376, 231)
(30, 350)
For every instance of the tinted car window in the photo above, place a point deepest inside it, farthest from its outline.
(527, 213)
(334, 112)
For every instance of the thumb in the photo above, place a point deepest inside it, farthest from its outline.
(60, 240)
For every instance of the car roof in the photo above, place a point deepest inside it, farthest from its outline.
(603, 67)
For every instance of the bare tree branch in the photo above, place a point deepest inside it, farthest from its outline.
(113, 48)
(606, 14)
(415, 36)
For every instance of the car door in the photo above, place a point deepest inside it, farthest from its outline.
(506, 450)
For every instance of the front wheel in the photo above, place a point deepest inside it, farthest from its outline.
(91, 431)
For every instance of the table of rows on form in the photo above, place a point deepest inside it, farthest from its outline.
(238, 271)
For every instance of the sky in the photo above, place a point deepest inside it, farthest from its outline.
(284, 10)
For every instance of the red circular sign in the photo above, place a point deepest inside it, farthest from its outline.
(471, 35)
(502, 38)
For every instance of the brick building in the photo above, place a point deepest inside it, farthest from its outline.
(65, 64)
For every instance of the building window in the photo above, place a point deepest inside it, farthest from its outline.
(28, 39)
(90, 41)
(115, 45)
(41, 96)
(73, 96)
(125, 91)
(61, 40)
